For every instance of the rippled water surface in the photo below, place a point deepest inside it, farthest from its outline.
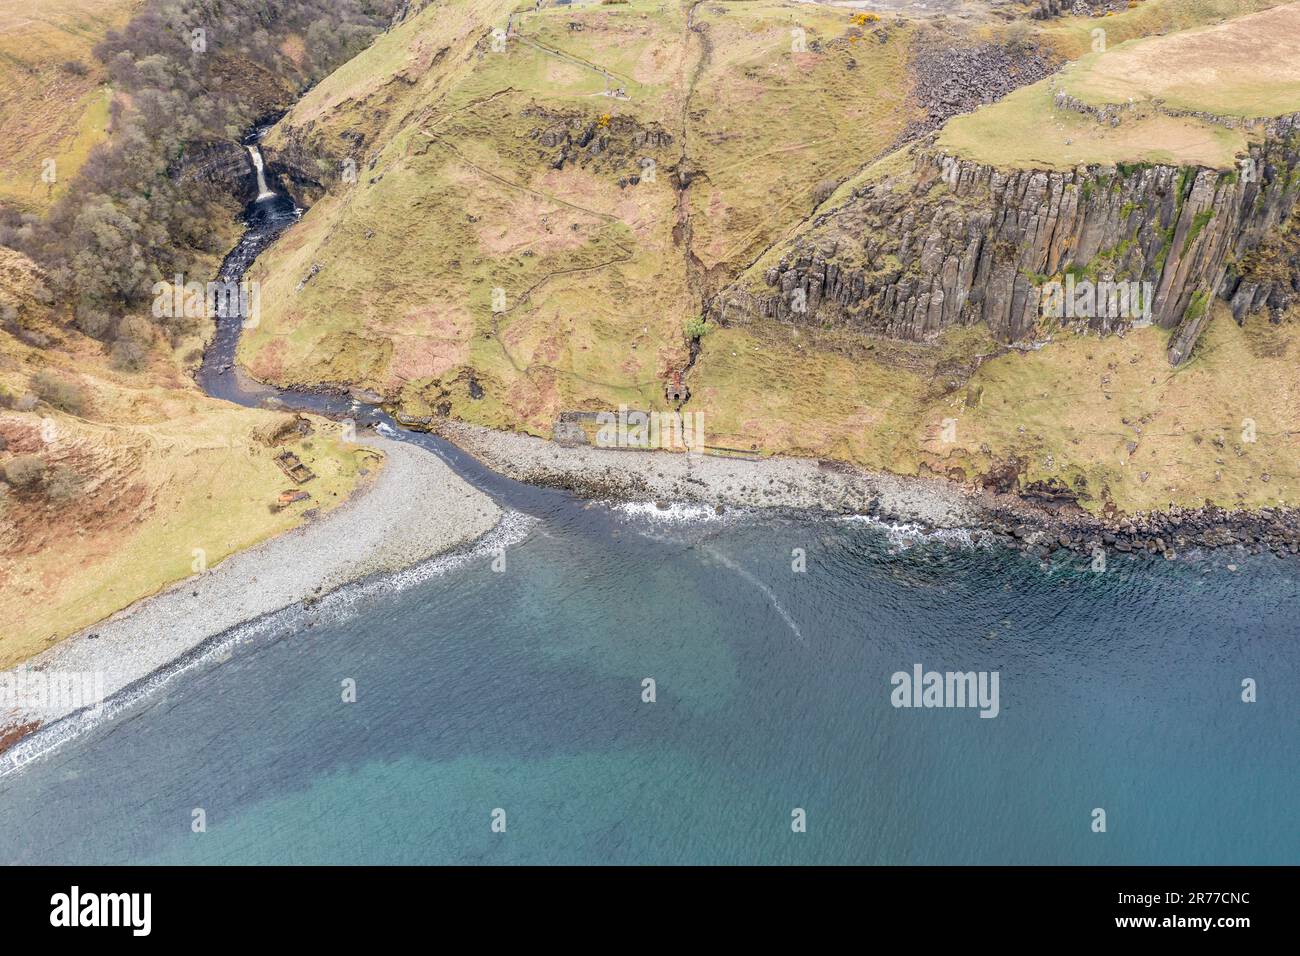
(521, 690)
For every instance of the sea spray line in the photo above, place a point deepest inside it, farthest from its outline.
(900, 533)
(512, 528)
(675, 513)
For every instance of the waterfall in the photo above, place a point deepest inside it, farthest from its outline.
(262, 191)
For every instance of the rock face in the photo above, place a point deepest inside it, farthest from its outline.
(1269, 276)
(948, 79)
(574, 138)
(958, 242)
(223, 167)
(1048, 9)
(305, 166)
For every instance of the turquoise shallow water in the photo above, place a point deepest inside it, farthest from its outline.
(521, 690)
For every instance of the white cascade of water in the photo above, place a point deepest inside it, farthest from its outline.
(262, 191)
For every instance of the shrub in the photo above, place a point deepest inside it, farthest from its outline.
(24, 471)
(94, 322)
(128, 355)
(37, 340)
(695, 328)
(76, 68)
(63, 484)
(134, 337)
(63, 393)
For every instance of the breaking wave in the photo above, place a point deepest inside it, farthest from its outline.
(906, 534)
(512, 528)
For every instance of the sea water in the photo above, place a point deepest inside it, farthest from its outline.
(628, 685)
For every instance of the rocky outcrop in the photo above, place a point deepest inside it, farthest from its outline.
(1048, 9)
(950, 79)
(618, 140)
(1268, 277)
(223, 167)
(1112, 114)
(958, 242)
(1108, 114)
(301, 161)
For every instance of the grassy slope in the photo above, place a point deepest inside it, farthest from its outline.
(460, 199)
(46, 112)
(769, 125)
(1083, 400)
(464, 200)
(166, 471)
(1248, 66)
(1025, 131)
(1074, 36)
(459, 203)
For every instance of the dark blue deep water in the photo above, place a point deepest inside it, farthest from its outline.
(522, 690)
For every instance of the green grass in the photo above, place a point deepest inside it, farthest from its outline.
(1074, 36)
(1154, 78)
(465, 199)
(769, 125)
(1077, 403)
(1026, 131)
(1248, 66)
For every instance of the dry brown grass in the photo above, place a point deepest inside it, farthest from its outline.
(46, 112)
(162, 474)
(1248, 66)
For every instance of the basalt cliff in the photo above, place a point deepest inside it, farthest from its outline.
(953, 242)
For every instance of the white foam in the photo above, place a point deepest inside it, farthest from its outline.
(905, 534)
(676, 513)
(336, 606)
